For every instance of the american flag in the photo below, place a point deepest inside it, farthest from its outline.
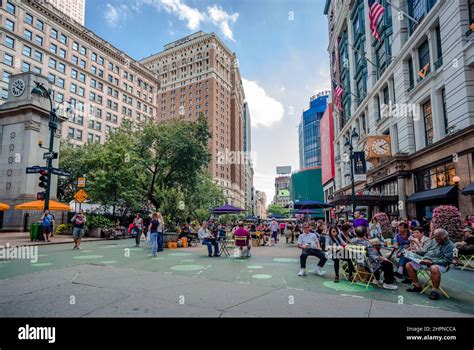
(337, 94)
(375, 13)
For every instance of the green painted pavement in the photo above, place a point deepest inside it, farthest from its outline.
(282, 267)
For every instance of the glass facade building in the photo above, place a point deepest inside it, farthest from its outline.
(309, 138)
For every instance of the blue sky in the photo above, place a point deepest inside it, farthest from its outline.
(281, 46)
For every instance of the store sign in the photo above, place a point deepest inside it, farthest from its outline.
(360, 167)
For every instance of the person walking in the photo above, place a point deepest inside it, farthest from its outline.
(48, 221)
(160, 232)
(153, 232)
(137, 228)
(274, 229)
(78, 224)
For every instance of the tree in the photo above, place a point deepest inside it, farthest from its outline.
(449, 218)
(277, 210)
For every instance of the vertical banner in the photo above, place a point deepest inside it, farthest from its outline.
(360, 166)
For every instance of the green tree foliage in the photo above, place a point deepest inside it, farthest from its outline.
(162, 166)
(277, 210)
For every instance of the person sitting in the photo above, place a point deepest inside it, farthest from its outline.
(466, 247)
(418, 242)
(266, 234)
(335, 244)
(309, 245)
(402, 238)
(243, 239)
(377, 262)
(437, 256)
(346, 233)
(208, 239)
(375, 229)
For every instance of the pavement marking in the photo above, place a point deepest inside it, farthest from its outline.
(187, 267)
(283, 278)
(77, 274)
(108, 262)
(292, 288)
(88, 257)
(255, 267)
(352, 296)
(261, 276)
(428, 306)
(41, 264)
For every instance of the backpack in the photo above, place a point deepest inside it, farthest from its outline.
(47, 220)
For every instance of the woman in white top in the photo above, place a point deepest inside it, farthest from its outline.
(375, 229)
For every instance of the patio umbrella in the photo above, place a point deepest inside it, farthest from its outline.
(226, 209)
(310, 204)
(39, 205)
(4, 207)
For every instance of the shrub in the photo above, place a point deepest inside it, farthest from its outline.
(449, 218)
(384, 221)
(98, 221)
(63, 227)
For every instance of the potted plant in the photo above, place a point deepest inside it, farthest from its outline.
(96, 223)
(64, 229)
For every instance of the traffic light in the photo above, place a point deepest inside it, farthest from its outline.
(40, 196)
(43, 179)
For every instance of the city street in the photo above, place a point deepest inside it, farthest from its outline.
(115, 279)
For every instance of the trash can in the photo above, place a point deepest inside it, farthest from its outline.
(36, 232)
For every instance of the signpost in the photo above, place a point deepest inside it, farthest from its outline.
(81, 182)
(80, 196)
(35, 169)
(60, 172)
(50, 155)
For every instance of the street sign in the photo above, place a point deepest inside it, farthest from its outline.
(35, 169)
(80, 196)
(81, 182)
(50, 155)
(60, 172)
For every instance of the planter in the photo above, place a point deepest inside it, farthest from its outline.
(170, 237)
(95, 232)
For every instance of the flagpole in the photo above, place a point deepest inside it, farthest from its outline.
(372, 63)
(404, 13)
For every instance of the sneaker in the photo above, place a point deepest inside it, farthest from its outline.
(407, 281)
(79, 248)
(75, 247)
(336, 279)
(302, 272)
(434, 295)
(398, 274)
(389, 286)
(318, 271)
(414, 289)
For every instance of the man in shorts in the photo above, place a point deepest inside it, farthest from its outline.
(78, 225)
(437, 257)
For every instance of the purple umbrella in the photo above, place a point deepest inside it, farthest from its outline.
(226, 209)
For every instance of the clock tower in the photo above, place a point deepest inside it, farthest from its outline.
(23, 123)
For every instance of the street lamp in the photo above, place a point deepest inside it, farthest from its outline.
(350, 147)
(40, 91)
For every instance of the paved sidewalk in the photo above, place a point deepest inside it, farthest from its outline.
(114, 279)
(16, 239)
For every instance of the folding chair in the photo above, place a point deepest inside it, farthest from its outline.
(466, 261)
(360, 260)
(425, 272)
(241, 242)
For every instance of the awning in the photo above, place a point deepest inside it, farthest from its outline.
(39, 205)
(363, 200)
(443, 192)
(468, 190)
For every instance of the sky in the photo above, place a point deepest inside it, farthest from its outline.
(281, 46)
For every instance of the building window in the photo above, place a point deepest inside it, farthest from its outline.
(424, 55)
(428, 117)
(52, 78)
(39, 25)
(28, 35)
(418, 10)
(39, 40)
(75, 46)
(62, 67)
(26, 51)
(435, 177)
(9, 42)
(411, 78)
(70, 133)
(54, 33)
(11, 8)
(36, 70)
(61, 82)
(439, 51)
(445, 114)
(10, 25)
(63, 39)
(28, 19)
(38, 56)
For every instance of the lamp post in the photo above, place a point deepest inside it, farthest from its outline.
(350, 146)
(41, 91)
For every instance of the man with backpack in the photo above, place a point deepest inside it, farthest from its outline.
(78, 225)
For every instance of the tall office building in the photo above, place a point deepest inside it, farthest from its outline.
(76, 9)
(100, 85)
(308, 130)
(248, 166)
(199, 74)
(409, 100)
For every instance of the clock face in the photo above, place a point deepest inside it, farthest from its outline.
(366, 149)
(380, 147)
(18, 87)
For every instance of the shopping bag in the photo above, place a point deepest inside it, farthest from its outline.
(143, 237)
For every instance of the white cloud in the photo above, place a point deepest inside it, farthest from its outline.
(115, 15)
(264, 109)
(222, 19)
(193, 17)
